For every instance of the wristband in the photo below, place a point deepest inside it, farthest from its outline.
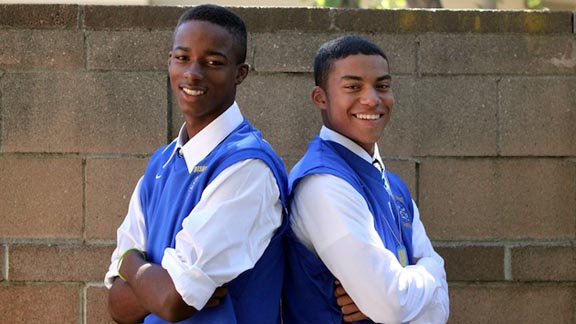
(142, 253)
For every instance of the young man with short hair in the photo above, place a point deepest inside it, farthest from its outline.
(202, 240)
(358, 251)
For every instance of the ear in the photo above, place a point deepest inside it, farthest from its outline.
(169, 57)
(320, 98)
(242, 72)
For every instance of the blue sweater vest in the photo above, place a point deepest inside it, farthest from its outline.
(169, 193)
(308, 284)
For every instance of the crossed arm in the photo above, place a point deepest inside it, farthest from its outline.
(373, 283)
(241, 202)
(149, 289)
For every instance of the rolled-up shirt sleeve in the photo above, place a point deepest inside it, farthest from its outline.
(226, 233)
(334, 221)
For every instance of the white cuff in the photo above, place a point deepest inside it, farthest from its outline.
(192, 284)
(435, 269)
(112, 272)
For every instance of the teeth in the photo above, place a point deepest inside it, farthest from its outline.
(368, 116)
(193, 92)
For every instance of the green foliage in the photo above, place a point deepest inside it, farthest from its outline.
(534, 4)
(388, 4)
(327, 3)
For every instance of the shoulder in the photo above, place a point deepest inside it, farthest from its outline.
(320, 158)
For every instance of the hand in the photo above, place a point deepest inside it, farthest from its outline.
(350, 312)
(217, 296)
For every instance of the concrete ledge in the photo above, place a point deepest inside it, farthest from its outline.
(130, 17)
(39, 16)
(301, 19)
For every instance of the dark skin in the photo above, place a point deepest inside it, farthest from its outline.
(204, 72)
(350, 312)
(149, 289)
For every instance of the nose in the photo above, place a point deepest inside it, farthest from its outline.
(194, 71)
(370, 98)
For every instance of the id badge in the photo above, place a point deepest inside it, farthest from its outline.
(402, 255)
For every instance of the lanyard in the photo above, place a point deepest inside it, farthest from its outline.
(400, 248)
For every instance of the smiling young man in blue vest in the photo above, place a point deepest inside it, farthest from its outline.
(358, 251)
(202, 240)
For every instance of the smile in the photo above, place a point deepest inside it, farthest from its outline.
(193, 92)
(368, 116)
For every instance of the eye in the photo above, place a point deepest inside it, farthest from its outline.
(383, 86)
(215, 62)
(180, 57)
(352, 86)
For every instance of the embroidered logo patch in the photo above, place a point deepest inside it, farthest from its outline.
(404, 215)
(199, 168)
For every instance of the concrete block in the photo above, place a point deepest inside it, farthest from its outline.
(109, 187)
(295, 51)
(96, 306)
(473, 263)
(59, 263)
(280, 106)
(41, 198)
(489, 199)
(41, 49)
(122, 50)
(443, 116)
(537, 116)
(544, 263)
(286, 51)
(36, 16)
(515, 54)
(47, 303)
(512, 304)
(131, 17)
(84, 112)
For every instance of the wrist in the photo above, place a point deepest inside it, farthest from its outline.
(124, 256)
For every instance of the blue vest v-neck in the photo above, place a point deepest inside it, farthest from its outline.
(309, 285)
(168, 194)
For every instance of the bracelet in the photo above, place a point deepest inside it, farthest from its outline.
(142, 253)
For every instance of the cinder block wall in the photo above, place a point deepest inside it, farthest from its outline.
(483, 132)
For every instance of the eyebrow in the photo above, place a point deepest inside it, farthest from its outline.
(181, 48)
(187, 49)
(357, 78)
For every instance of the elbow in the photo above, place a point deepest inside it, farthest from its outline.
(397, 313)
(172, 308)
(393, 309)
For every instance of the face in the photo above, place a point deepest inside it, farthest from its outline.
(204, 72)
(358, 99)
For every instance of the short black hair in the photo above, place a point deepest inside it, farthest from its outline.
(341, 48)
(221, 17)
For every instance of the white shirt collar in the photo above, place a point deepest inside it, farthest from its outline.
(329, 135)
(199, 146)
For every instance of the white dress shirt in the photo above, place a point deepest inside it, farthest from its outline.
(333, 221)
(228, 230)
